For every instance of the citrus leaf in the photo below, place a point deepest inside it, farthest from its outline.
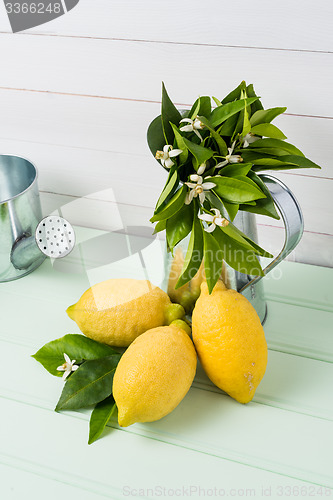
(200, 153)
(265, 206)
(300, 161)
(234, 169)
(219, 141)
(217, 101)
(180, 144)
(268, 130)
(88, 385)
(76, 346)
(231, 208)
(222, 113)
(235, 190)
(213, 258)
(155, 135)
(256, 105)
(265, 115)
(242, 260)
(194, 110)
(179, 226)
(100, 416)
(169, 188)
(235, 233)
(275, 143)
(160, 226)
(234, 94)
(193, 256)
(173, 206)
(228, 127)
(169, 114)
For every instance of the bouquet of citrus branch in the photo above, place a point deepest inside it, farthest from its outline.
(213, 156)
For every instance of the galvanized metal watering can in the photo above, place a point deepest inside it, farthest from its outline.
(25, 238)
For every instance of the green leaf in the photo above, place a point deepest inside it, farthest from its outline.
(235, 190)
(155, 135)
(217, 101)
(265, 115)
(246, 123)
(194, 254)
(175, 204)
(169, 114)
(251, 93)
(195, 109)
(300, 161)
(76, 346)
(179, 226)
(233, 232)
(246, 116)
(223, 148)
(248, 181)
(233, 169)
(88, 385)
(169, 188)
(213, 258)
(100, 416)
(200, 153)
(275, 143)
(236, 234)
(268, 130)
(202, 106)
(231, 208)
(234, 94)
(258, 250)
(160, 226)
(222, 113)
(265, 206)
(180, 144)
(262, 161)
(238, 257)
(229, 126)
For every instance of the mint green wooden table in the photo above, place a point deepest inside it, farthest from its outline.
(279, 445)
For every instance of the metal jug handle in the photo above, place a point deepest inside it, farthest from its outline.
(292, 217)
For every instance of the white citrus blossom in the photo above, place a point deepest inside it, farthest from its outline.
(166, 155)
(197, 188)
(193, 126)
(201, 169)
(230, 158)
(215, 220)
(248, 138)
(67, 367)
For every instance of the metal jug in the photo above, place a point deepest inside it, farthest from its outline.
(20, 212)
(252, 287)
(25, 238)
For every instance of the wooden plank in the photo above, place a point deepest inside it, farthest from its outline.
(107, 59)
(125, 19)
(285, 385)
(204, 422)
(18, 477)
(51, 120)
(103, 468)
(302, 285)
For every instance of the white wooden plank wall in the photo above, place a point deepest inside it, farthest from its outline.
(77, 95)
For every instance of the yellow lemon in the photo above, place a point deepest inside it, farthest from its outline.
(187, 294)
(230, 341)
(153, 375)
(117, 311)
